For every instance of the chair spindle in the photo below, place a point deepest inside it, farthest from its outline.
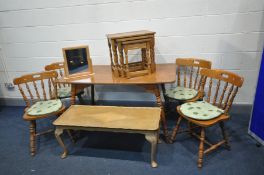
(29, 91)
(43, 89)
(23, 95)
(210, 90)
(191, 76)
(216, 91)
(196, 77)
(227, 98)
(222, 95)
(36, 90)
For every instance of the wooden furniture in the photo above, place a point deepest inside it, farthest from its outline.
(64, 90)
(77, 61)
(119, 45)
(225, 87)
(38, 88)
(165, 73)
(141, 120)
(188, 80)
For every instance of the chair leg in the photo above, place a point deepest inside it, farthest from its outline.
(225, 136)
(80, 98)
(175, 130)
(190, 128)
(32, 130)
(201, 148)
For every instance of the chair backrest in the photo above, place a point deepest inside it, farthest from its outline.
(33, 87)
(225, 87)
(59, 67)
(188, 71)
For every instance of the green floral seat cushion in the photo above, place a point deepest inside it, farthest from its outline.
(181, 93)
(200, 110)
(64, 92)
(44, 107)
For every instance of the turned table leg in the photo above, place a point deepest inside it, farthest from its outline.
(73, 94)
(162, 115)
(58, 132)
(153, 88)
(152, 138)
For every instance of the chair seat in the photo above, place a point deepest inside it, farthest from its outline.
(44, 107)
(64, 92)
(200, 110)
(181, 93)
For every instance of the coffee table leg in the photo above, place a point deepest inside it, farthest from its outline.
(152, 138)
(58, 132)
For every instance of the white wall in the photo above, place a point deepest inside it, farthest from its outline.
(228, 32)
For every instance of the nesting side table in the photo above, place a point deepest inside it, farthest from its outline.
(119, 45)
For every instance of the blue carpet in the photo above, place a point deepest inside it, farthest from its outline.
(98, 153)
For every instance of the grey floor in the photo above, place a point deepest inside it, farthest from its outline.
(98, 153)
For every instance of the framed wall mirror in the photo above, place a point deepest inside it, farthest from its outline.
(77, 61)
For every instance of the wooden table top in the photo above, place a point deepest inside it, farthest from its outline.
(130, 34)
(111, 117)
(165, 73)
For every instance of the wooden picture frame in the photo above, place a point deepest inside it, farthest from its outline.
(77, 61)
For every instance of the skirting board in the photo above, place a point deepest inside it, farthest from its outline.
(259, 140)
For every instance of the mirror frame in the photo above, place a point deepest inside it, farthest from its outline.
(89, 61)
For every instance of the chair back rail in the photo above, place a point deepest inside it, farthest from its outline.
(59, 67)
(226, 83)
(35, 85)
(188, 69)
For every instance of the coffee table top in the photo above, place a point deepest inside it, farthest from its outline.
(111, 117)
(165, 73)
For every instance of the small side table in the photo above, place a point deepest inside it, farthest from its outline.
(120, 43)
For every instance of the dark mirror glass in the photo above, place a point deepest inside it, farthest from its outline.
(77, 60)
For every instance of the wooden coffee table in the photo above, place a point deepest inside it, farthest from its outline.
(143, 120)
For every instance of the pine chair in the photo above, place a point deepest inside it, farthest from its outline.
(187, 84)
(64, 90)
(38, 92)
(211, 111)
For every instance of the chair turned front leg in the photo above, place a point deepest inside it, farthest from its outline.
(32, 130)
(201, 149)
(222, 126)
(153, 140)
(58, 132)
(175, 130)
(190, 128)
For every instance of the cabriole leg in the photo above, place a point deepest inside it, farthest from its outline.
(58, 132)
(153, 140)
